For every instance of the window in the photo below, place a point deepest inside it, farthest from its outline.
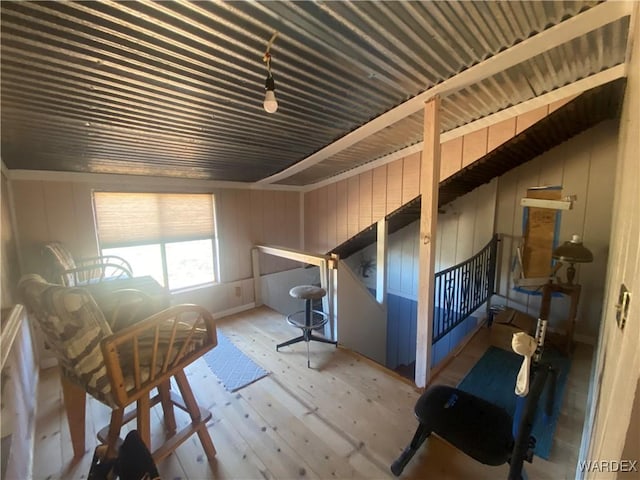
(169, 236)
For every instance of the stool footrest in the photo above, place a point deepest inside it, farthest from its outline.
(308, 319)
(298, 319)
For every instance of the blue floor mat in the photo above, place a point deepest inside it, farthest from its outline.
(493, 378)
(232, 367)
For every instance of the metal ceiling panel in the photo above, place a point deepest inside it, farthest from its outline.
(175, 88)
(582, 113)
(600, 49)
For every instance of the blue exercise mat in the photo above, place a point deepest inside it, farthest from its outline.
(493, 378)
(232, 367)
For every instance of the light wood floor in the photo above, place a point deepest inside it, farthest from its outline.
(346, 417)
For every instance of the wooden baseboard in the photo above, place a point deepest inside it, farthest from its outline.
(234, 310)
(454, 353)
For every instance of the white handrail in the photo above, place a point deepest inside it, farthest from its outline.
(324, 262)
(293, 254)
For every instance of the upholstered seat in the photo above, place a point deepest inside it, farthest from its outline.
(123, 366)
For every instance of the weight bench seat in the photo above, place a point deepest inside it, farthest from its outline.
(480, 429)
(476, 427)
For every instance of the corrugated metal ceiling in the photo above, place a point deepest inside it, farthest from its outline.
(580, 114)
(175, 88)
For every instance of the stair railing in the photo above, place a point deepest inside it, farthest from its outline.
(462, 289)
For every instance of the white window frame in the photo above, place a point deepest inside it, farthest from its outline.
(163, 243)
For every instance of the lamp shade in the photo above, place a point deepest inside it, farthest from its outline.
(573, 251)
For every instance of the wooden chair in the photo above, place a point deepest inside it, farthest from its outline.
(123, 367)
(60, 266)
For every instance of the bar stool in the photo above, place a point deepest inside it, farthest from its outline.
(308, 319)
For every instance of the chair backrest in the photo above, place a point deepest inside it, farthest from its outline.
(56, 260)
(60, 254)
(73, 326)
(60, 266)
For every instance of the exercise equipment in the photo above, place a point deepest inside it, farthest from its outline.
(526, 346)
(480, 429)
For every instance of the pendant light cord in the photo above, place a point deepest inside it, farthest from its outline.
(267, 54)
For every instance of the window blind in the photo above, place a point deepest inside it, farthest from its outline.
(124, 218)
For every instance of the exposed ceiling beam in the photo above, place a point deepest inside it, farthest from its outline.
(574, 27)
(571, 90)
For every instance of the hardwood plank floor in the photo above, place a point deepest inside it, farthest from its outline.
(346, 417)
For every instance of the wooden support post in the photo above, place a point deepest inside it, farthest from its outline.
(381, 262)
(257, 286)
(333, 295)
(325, 282)
(429, 180)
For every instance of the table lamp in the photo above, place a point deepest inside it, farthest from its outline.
(572, 252)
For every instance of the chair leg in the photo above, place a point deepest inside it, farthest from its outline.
(143, 419)
(301, 338)
(113, 435)
(164, 390)
(316, 338)
(75, 406)
(194, 413)
(407, 454)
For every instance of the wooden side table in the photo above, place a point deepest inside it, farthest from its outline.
(571, 290)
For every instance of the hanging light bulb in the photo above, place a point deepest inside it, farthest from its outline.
(270, 103)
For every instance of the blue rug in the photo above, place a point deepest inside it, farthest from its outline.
(493, 378)
(232, 367)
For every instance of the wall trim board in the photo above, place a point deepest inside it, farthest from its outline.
(233, 311)
(138, 180)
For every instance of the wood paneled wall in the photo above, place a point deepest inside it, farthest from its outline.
(464, 227)
(63, 210)
(336, 212)
(585, 167)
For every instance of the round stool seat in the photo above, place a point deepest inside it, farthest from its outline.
(307, 292)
